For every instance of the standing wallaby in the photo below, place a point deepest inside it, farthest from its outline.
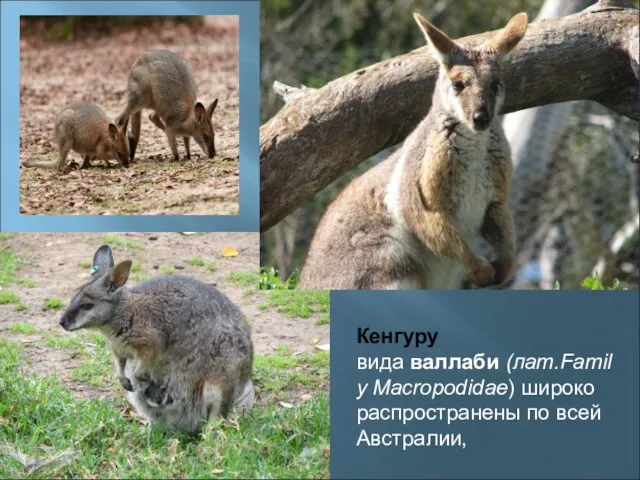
(163, 82)
(181, 348)
(411, 221)
(84, 128)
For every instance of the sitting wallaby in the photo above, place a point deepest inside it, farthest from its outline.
(84, 128)
(163, 82)
(411, 221)
(181, 348)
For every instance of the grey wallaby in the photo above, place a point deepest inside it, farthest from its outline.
(163, 82)
(84, 128)
(411, 221)
(181, 348)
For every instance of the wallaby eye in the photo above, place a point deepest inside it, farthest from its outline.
(458, 86)
(495, 86)
(86, 306)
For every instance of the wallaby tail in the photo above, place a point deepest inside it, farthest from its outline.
(41, 163)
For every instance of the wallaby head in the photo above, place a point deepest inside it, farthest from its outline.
(96, 303)
(470, 83)
(117, 143)
(203, 133)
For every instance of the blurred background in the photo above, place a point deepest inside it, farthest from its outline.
(575, 188)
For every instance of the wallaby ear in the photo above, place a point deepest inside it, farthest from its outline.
(507, 38)
(211, 108)
(120, 274)
(123, 126)
(440, 44)
(200, 112)
(113, 131)
(102, 260)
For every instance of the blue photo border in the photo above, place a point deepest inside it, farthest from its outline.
(249, 64)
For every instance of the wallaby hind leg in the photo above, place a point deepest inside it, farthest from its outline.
(186, 146)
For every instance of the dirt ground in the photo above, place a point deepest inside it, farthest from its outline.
(94, 67)
(53, 267)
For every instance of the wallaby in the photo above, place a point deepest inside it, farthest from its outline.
(163, 82)
(84, 128)
(411, 221)
(181, 348)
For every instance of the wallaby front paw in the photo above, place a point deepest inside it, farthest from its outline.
(483, 275)
(126, 384)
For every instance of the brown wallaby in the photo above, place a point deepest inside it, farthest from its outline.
(163, 82)
(84, 128)
(181, 348)
(411, 221)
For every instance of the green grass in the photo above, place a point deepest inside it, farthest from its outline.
(212, 267)
(8, 297)
(21, 307)
(136, 266)
(195, 261)
(46, 432)
(137, 277)
(24, 328)
(244, 279)
(168, 270)
(27, 283)
(84, 264)
(122, 243)
(299, 303)
(8, 266)
(52, 303)
(4, 236)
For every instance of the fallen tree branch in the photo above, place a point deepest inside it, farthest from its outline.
(320, 134)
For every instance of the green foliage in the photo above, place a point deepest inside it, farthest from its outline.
(595, 283)
(52, 303)
(243, 279)
(8, 297)
(270, 280)
(301, 303)
(121, 243)
(23, 328)
(47, 432)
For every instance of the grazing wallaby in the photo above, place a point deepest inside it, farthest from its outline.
(162, 81)
(411, 221)
(84, 128)
(181, 348)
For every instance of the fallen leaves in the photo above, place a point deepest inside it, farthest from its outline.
(229, 252)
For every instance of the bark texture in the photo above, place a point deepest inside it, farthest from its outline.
(321, 134)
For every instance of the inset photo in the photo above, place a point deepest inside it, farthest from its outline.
(156, 355)
(129, 115)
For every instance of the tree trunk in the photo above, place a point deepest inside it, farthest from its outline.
(535, 135)
(318, 136)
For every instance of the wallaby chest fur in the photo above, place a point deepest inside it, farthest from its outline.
(411, 222)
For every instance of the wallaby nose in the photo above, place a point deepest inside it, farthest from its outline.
(481, 118)
(62, 321)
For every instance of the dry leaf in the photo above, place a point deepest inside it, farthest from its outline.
(286, 405)
(217, 471)
(314, 341)
(323, 348)
(4, 421)
(66, 379)
(229, 252)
